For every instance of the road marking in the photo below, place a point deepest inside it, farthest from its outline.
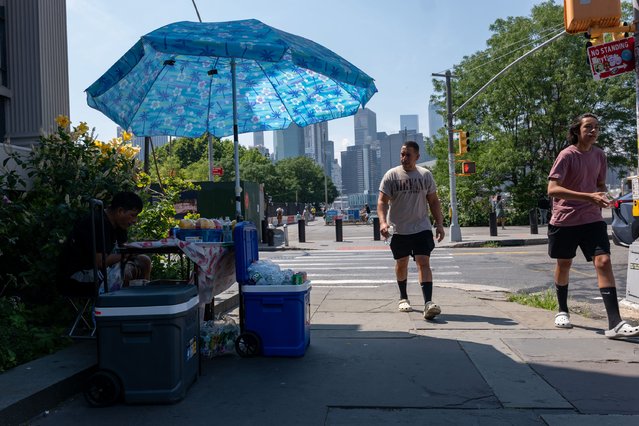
(313, 282)
(341, 286)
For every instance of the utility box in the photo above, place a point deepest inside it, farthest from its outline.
(580, 15)
(632, 278)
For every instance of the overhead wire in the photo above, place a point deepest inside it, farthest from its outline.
(541, 39)
(528, 42)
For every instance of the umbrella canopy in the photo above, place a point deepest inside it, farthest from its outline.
(178, 80)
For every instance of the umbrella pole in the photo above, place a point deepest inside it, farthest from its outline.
(238, 189)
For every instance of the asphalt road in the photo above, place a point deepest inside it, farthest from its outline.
(513, 269)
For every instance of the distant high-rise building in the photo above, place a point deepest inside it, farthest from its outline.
(365, 126)
(288, 142)
(315, 137)
(409, 122)
(138, 141)
(258, 138)
(336, 175)
(329, 157)
(435, 120)
(392, 145)
(360, 169)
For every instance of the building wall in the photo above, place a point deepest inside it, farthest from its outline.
(37, 87)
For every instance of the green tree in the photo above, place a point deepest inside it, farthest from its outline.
(300, 179)
(519, 124)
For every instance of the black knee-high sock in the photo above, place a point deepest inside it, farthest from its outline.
(427, 290)
(609, 295)
(402, 289)
(562, 297)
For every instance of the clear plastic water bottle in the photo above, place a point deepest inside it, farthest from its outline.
(227, 236)
(391, 231)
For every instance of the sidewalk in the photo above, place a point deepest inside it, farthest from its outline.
(483, 361)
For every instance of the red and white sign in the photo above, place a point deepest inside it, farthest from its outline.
(217, 171)
(611, 59)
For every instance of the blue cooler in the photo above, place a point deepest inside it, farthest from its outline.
(147, 338)
(278, 314)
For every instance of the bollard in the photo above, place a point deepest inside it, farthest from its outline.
(271, 237)
(338, 230)
(301, 230)
(264, 231)
(532, 217)
(493, 224)
(285, 228)
(376, 236)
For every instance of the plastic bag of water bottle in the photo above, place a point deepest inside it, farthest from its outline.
(264, 272)
(217, 337)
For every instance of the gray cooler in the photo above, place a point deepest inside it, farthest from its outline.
(148, 339)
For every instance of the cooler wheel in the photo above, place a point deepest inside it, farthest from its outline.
(102, 389)
(248, 344)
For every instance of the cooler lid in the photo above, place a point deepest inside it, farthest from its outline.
(276, 288)
(149, 295)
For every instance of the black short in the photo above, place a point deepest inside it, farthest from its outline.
(421, 243)
(592, 238)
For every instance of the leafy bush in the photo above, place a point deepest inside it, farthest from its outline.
(67, 169)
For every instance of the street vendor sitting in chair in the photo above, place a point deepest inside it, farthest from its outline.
(78, 261)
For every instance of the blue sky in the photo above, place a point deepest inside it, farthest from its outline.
(398, 43)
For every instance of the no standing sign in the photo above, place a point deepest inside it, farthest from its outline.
(611, 59)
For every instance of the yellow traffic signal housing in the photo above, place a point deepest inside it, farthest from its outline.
(580, 15)
(469, 167)
(462, 142)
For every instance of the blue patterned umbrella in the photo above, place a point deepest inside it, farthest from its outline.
(224, 78)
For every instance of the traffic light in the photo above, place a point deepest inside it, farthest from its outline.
(594, 39)
(580, 15)
(462, 142)
(468, 167)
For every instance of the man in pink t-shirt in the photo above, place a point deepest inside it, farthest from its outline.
(577, 184)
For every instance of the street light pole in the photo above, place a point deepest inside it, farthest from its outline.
(454, 233)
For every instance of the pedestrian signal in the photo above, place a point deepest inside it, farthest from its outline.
(468, 167)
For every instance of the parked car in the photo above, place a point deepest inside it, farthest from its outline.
(625, 229)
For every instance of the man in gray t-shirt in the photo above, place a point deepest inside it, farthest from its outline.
(406, 195)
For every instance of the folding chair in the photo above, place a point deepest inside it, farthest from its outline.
(82, 295)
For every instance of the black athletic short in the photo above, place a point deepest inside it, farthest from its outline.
(421, 243)
(592, 238)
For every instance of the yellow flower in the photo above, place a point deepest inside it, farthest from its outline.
(126, 136)
(82, 128)
(62, 121)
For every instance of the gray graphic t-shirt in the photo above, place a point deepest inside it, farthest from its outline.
(408, 211)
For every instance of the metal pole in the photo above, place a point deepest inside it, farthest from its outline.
(236, 143)
(147, 147)
(454, 233)
(210, 145)
(635, 8)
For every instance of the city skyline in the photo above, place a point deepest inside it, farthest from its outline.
(420, 41)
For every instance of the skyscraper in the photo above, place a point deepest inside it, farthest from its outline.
(365, 126)
(409, 122)
(360, 169)
(315, 137)
(288, 142)
(258, 138)
(435, 120)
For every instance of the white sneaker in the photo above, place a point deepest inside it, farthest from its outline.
(404, 306)
(623, 329)
(431, 310)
